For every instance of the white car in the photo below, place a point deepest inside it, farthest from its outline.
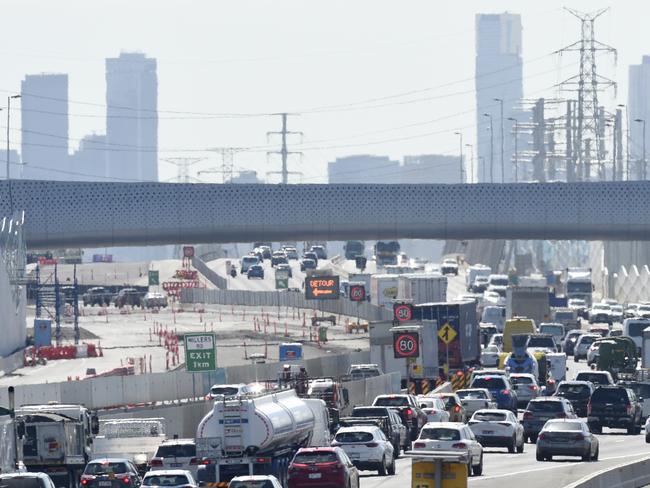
(367, 448)
(492, 297)
(434, 408)
(172, 478)
(496, 340)
(473, 399)
(617, 313)
(526, 386)
(583, 344)
(490, 356)
(498, 428)
(176, 454)
(646, 428)
(24, 479)
(255, 481)
(223, 392)
(452, 437)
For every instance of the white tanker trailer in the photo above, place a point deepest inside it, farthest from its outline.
(258, 434)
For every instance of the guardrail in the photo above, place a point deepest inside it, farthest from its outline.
(366, 311)
(634, 474)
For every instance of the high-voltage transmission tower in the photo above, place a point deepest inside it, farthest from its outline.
(183, 165)
(588, 131)
(227, 162)
(283, 150)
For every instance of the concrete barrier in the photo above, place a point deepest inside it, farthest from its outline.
(634, 474)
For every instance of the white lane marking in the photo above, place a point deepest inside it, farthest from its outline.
(547, 468)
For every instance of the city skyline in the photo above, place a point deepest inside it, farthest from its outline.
(419, 123)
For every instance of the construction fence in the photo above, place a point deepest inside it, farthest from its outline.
(294, 299)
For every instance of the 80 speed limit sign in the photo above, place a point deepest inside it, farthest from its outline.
(406, 344)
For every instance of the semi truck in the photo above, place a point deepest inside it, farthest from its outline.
(353, 249)
(386, 252)
(528, 301)
(56, 439)
(258, 434)
(135, 439)
(578, 284)
(474, 272)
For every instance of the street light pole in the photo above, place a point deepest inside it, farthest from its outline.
(8, 176)
(643, 164)
(627, 140)
(503, 171)
(460, 155)
(491, 148)
(512, 119)
(481, 162)
(471, 163)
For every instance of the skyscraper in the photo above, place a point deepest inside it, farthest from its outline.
(132, 117)
(498, 76)
(638, 108)
(44, 113)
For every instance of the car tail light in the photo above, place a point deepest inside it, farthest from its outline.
(533, 387)
(528, 415)
(541, 436)
(126, 480)
(589, 408)
(419, 445)
(205, 462)
(372, 444)
(459, 445)
(505, 392)
(578, 437)
(156, 462)
(263, 460)
(457, 408)
(84, 481)
(194, 461)
(409, 412)
(628, 407)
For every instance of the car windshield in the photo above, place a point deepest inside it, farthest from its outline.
(251, 484)
(224, 390)
(440, 434)
(644, 308)
(635, 329)
(541, 342)
(315, 457)
(563, 426)
(601, 307)
(556, 330)
(369, 412)
(249, 259)
(176, 450)
(588, 340)
(522, 380)
(573, 391)
(22, 482)
(499, 281)
(610, 395)
(640, 389)
(489, 382)
(354, 437)
(489, 416)
(392, 401)
(577, 302)
(563, 316)
(545, 406)
(598, 378)
(166, 480)
(471, 394)
(105, 468)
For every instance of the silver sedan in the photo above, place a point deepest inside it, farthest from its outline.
(566, 437)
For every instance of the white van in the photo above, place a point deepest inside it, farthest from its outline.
(494, 315)
(633, 328)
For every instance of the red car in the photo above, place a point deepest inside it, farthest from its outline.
(322, 467)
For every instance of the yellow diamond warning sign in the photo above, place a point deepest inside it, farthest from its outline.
(447, 333)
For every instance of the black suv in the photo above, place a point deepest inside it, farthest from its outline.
(614, 406)
(407, 408)
(129, 296)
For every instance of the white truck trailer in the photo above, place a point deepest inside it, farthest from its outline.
(258, 434)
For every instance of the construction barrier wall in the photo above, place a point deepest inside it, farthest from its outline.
(342, 306)
(210, 275)
(116, 391)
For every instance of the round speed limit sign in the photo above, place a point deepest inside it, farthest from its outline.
(357, 293)
(403, 313)
(406, 345)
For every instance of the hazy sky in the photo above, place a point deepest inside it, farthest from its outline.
(316, 58)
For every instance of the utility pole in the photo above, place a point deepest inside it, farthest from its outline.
(471, 163)
(516, 129)
(587, 83)
(460, 154)
(539, 146)
(11, 197)
(503, 174)
(491, 147)
(642, 167)
(283, 149)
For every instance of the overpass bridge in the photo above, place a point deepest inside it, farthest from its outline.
(89, 214)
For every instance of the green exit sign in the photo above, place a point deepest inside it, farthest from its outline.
(200, 352)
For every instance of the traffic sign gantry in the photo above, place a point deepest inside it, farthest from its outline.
(200, 352)
(447, 333)
(406, 344)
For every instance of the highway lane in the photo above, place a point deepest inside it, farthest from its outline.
(503, 469)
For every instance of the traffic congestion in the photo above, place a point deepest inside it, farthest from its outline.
(541, 374)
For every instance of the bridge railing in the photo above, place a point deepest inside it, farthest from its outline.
(366, 311)
(632, 284)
